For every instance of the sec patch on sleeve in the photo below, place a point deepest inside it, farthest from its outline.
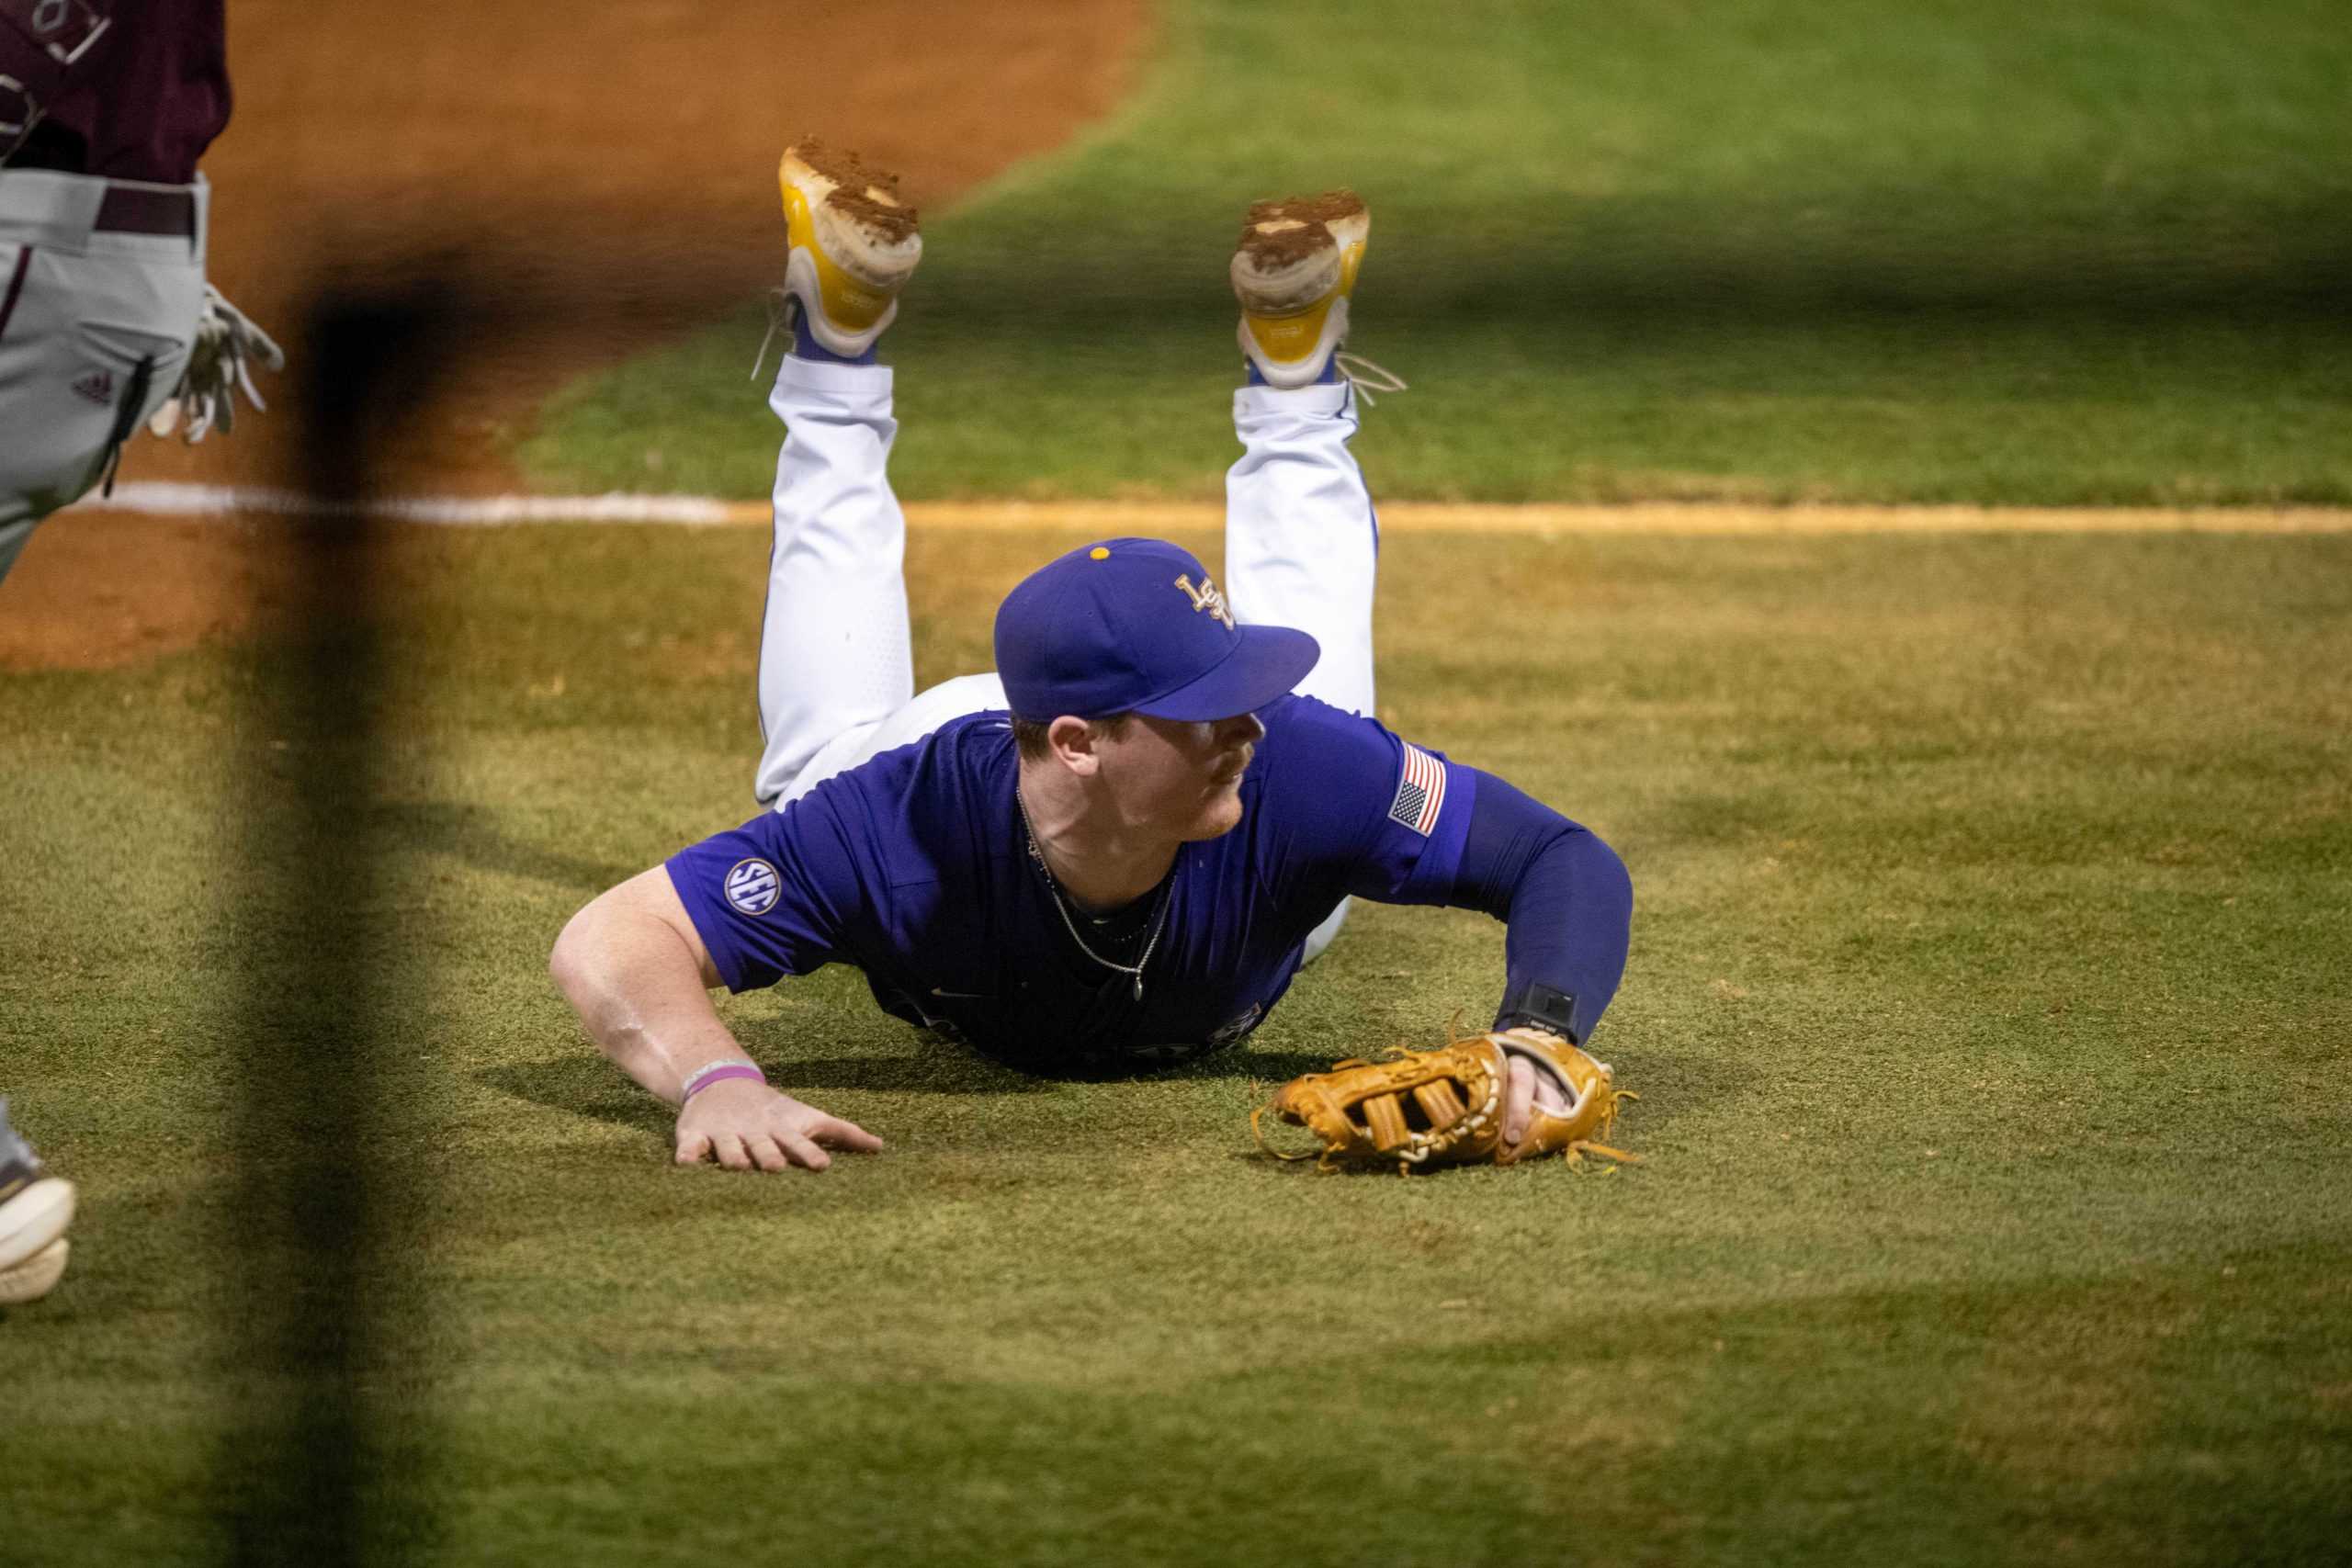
(753, 886)
(1421, 791)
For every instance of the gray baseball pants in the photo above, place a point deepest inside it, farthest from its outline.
(94, 329)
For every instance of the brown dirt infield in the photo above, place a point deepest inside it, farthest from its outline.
(533, 144)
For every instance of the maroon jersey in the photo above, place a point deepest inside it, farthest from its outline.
(141, 102)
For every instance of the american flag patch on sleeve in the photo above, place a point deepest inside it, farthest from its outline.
(1420, 790)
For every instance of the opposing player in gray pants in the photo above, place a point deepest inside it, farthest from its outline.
(105, 320)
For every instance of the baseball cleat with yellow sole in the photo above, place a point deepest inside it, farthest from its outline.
(1293, 270)
(855, 243)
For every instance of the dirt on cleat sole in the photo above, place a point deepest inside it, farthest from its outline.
(860, 192)
(1295, 258)
(1278, 234)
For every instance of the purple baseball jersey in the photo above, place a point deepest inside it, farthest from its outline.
(915, 867)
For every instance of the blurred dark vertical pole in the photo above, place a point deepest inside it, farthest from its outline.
(320, 1299)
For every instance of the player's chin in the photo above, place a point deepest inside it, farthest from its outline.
(1219, 815)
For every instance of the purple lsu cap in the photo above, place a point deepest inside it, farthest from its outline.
(1135, 626)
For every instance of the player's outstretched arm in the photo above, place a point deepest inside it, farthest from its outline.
(1569, 903)
(633, 966)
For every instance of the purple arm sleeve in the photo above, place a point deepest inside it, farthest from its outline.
(1565, 896)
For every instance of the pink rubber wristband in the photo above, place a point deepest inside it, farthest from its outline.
(710, 1076)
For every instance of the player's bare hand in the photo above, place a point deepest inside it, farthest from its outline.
(1525, 1089)
(744, 1125)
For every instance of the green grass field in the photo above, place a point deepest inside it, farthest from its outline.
(1951, 250)
(1988, 991)
(1986, 1000)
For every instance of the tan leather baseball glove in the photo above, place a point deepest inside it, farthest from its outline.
(1444, 1106)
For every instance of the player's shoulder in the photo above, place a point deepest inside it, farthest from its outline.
(1320, 761)
(967, 747)
(984, 736)
(925, 807)
(1295, 715)
(964, 761)
(1328, 759)
(1300, 730)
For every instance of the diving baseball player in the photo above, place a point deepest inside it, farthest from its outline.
(1117, 850)
(106, 320)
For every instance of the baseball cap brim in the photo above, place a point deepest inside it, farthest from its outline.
(1266, 663)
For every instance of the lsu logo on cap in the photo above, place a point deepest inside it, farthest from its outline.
(753, 886)
(1207, 599)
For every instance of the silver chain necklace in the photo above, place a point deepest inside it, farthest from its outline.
(1061, 904)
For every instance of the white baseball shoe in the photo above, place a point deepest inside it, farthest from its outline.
(36, 1276)
(35, 1209)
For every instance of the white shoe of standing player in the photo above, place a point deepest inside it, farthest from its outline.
(35, 1209)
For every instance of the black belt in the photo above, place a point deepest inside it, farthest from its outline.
(133, 210)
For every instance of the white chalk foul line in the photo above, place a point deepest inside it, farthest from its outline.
(158, 497)
(169, 498)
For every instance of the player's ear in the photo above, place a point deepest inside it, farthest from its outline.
(1072, 743)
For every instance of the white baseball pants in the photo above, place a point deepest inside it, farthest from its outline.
(836, 678)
